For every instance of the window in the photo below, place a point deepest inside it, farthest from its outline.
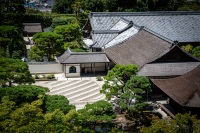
(72, 69)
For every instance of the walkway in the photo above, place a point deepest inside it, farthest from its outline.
(79, 91)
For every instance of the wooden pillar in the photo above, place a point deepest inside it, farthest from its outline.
(91, 67)
(94, 69)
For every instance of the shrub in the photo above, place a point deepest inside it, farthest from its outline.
(50, 76)
(44, 76)
(37, 76)
(99, 78)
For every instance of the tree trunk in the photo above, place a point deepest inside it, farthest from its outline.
(10, 83)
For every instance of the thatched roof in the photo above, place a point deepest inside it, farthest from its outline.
(167, 69)
(140, 49)
(69, 57)
(184, 89)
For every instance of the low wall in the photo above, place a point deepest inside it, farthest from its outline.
(46, 68)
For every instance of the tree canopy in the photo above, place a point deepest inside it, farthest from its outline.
(11, 44)
(12, 13)
(62, 6)
(182, 123)
(125, 89)
(49, 42)
(11, 28)
(14, 71)
(57, 102)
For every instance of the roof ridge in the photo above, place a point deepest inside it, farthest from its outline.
(151, 13)
(86, 53)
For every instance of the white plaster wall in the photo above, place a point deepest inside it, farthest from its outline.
(45, 68)
(77, 74)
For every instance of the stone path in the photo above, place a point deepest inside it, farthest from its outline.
(79, 91)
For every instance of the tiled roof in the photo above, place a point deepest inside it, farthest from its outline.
(140, 49)
(69, 57)
(101, 39)
(167, 69)
(180, 26)
(32, 27)
(188, 84)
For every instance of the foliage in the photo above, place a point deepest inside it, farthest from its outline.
(64, 20)
(116, 78)
(27, 118)
(79, 6)
(75, 46)
(12, 13)
(187, 48)
(69, 32)
(50, 76)
(98, 113)
(28, 114)
(35, 54)
(99, 78)
(36, 76)
(125, 90)
(182, 123)
(82, 49)
(11, 42)
(62, 6)
(44, 18)
(57, 102)
(131, 99)
(49, 42)
(196, 51)
(14, 71)
(22, 94)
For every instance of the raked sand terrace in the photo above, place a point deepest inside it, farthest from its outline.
(79, 91)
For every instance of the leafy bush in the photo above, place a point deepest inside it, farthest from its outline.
(196, 51)
(99, 78)
(44, 76)
(22, 94)
(53, 102)
(37, 76)
(50, 76)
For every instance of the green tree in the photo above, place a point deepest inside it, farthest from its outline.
(187, 48)
(62, 6)
(11, 42)
(12, 13)
(27, 118)
(63, 21)
(196, 51)
(98, 113)
(182, 123)
(131, 99)
(116, 78)
(69, 32)
(35, 53)
(23, 93)
(49, 42)
(14, 71)
(53, 102)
